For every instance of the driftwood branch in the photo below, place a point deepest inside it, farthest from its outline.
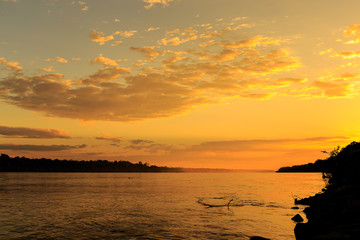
(229, 202)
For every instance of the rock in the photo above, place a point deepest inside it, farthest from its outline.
(258, 238)
(295, 208)
(308, 231)
(297, 218)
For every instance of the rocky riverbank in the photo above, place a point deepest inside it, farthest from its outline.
(335, 213)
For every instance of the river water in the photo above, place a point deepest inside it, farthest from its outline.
(151, 205)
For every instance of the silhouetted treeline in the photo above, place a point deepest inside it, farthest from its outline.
(317, 166)
(23, 164)
(325, 165)
(335, 212)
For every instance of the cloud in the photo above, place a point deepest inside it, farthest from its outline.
(275, 61)
(97, 97)
(23, 132)
(12, 66)
(349, 76)
(48, 70)
(57, 59)
(105, 74)
(258, 145)
(253, 42)
(175, 41)
(141, 142)
(174, 57)
(108, 138)
(100, 37)
(348, 55)
(327, 51)
(104, 61)
(283, 82)
(168, 83)
(82, 4)
(85, 8)
(238, 19)
(225, 55)
(178, 36)
(354, 32)
(125, 34)
(152, 3)
(149, 52)
(337, 88)
(254, 154)
(245, 154)
(40, 147)
(344, 85)
(150, 29)
(117, 43)
(148, 146)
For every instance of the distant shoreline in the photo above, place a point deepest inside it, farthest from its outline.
(23, 164)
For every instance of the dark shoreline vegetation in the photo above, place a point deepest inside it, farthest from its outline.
(335, 212)
(23, 164)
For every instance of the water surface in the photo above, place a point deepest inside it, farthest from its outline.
(151, 205)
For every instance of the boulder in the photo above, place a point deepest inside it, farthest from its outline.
(258, 238)
(297, 218)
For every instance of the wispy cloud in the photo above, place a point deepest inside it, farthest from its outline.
(107, 137)
(48, 70)
(24, 132)
(148, 146)
(85, 8)
(152, 3)
(260, 144)
(104, 61)
(150, 29)
(99, 37)
(40, 147)
(117, 43)
(352, 31)
(344, 85)
(241, 154)
(149, 52)
(348, 54)
(57, 59)
(239, 18)
(14, 66)
(82, 5)
(126, 34)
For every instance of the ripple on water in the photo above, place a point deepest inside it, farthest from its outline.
(148, 206)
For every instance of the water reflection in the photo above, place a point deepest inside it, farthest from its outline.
(150, 205)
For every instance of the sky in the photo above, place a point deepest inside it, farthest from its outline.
(241, 84)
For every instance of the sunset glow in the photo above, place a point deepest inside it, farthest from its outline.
(254, 84)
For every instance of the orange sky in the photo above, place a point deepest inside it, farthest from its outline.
(253, 84)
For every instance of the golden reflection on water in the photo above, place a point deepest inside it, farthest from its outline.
(151, 205)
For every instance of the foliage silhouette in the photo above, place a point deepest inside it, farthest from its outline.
(23, 164)
(334, 213)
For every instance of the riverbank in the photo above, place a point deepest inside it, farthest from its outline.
(335, 213)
